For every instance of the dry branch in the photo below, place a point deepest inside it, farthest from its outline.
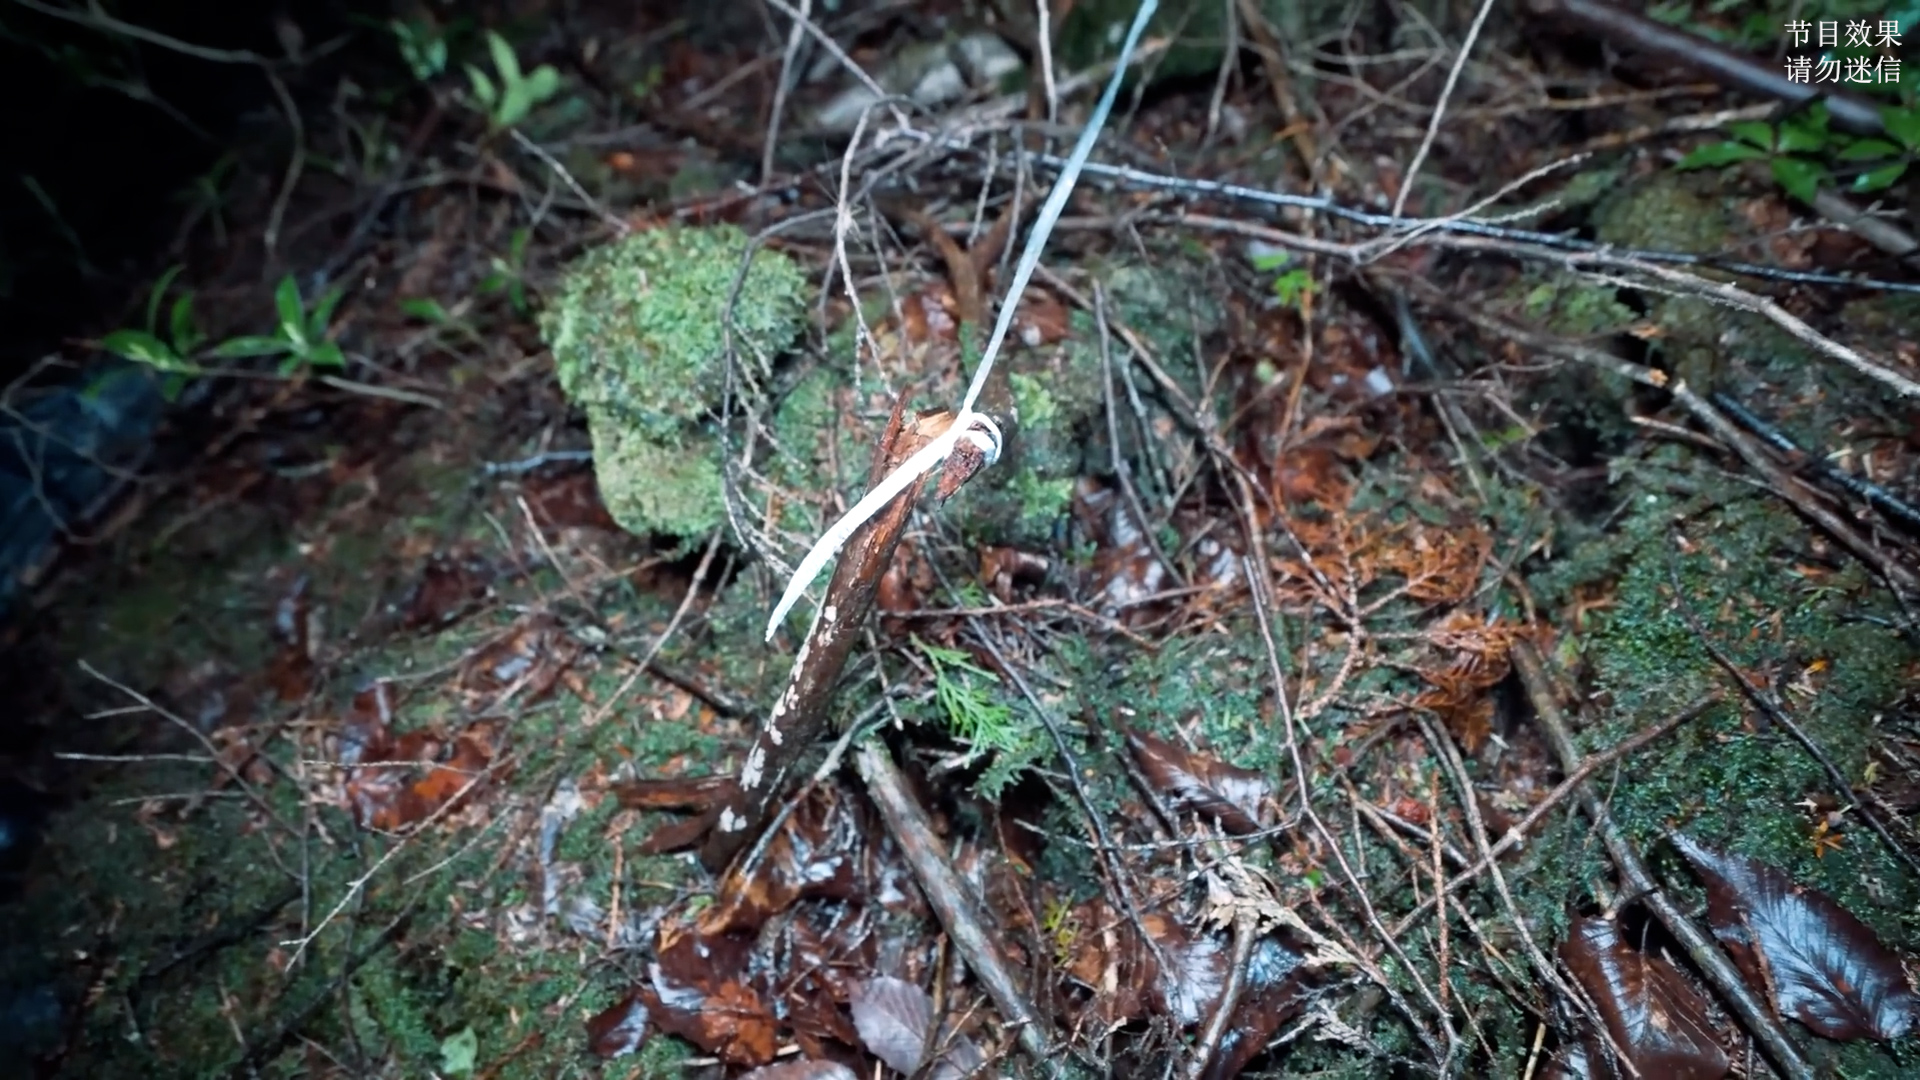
(951, 900)
(1637, 33)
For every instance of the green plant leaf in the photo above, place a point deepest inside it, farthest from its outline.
(1803, 134)
(460, 1052)
(1881, 178)
(483, 90)
(1714, 155)
(542, 84)
(1799, 176)
(158, 294)
(1903, 124)
(1293, 286)
(1867, 150)
(242, 347)
(503, 59)
(293, 314)
(186, 335)
(322, 316)
(426, 309)
(325, 354)
(143, 347)
(1271, 261)
(1757, 132)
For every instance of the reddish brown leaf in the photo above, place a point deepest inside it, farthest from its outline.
(528, 660)
(364, 731)
(1654, 1016)
(694, 793)
(732, 1022)
(1237, 797)
(620, 1029)
(387, 797)
(1821, 965)
(1110, 957)
(290, 673)
(895, 1018)
(819, 852)
(679, 834)
(1002, 568)
(1275, 988)
(1125, 569)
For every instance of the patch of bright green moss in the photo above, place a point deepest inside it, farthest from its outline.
(636, 326)
(638, 335)
(657, 487)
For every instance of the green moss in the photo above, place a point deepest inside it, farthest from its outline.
(1569, 307)
(1030, 397)
(656, 487)
(636, 327)
(1729, 778)
(637, 330)
(1664, 210)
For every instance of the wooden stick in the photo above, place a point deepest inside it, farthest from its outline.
(799, 716)
(952, 902)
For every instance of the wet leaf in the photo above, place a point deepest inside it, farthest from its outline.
(894, 1018)
(1125, 571)
(1275, 988)
(1003, 568)
(819, 852)
(731, 1022)
(619, 1030)
(290, 673)
(387, 797)
(1651, 1011)
(1238, 797)
(528, 661)
(1821, 965)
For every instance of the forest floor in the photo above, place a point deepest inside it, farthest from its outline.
(1387, 647)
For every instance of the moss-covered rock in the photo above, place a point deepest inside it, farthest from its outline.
(655, 486)
(637, 331)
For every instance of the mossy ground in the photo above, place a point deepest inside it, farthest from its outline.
(179, 920)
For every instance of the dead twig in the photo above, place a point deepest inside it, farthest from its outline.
(799, 716)
(1440, 107)
(952, 901)
(1255, 578)
(1517, 833)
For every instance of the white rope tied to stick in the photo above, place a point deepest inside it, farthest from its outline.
(977, 428)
